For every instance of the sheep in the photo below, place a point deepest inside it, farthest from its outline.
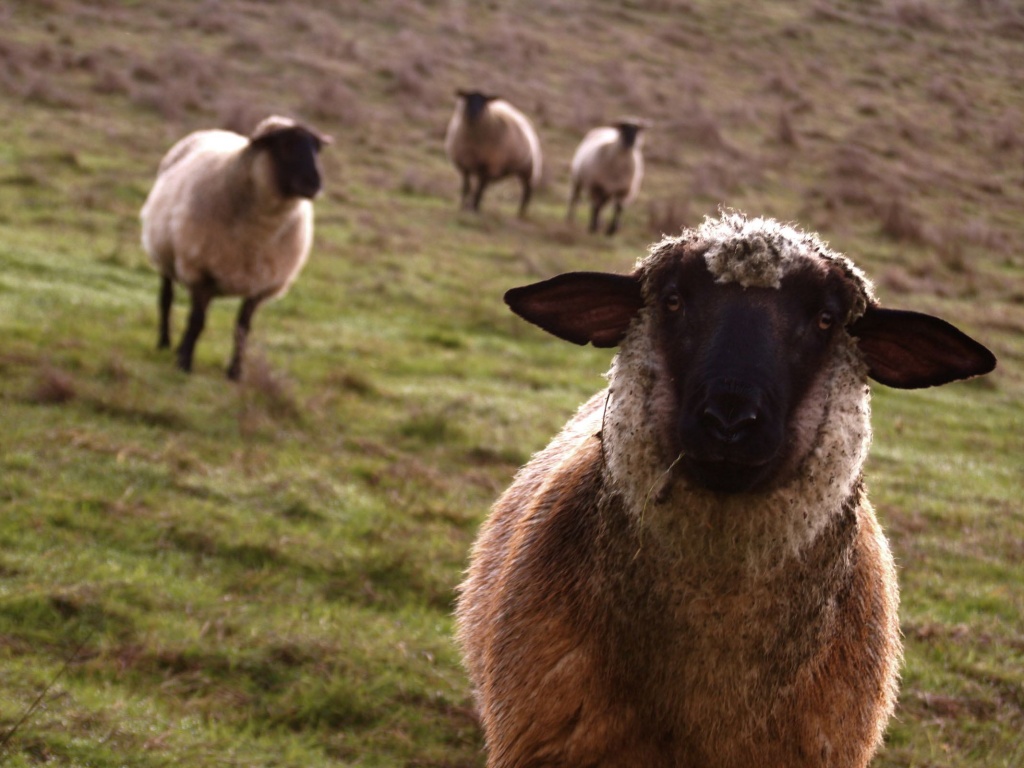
(490, 139)
(609, 164)
(691, 573)
(231, 215)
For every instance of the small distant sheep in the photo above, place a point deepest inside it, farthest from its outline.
(691, 574)
(231, 215)
(609, 165)
(490, 139)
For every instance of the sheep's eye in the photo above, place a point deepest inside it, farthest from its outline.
(825, 320)
(672, 302)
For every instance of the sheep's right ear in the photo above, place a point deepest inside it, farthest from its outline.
(581, 307)
(911, 350)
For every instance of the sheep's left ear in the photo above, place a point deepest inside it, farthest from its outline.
(324, 139)
(580, 307)
(911, 350)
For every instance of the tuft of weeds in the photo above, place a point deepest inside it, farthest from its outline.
(668, 217)
(785, 131)
(268, 391)
(902, 223)
(268, 568)
(52, 386)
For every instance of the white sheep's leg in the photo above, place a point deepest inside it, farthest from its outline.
(464, 199)
(166, 300)
(595, 212)
(480, 187)
(242, 326)
(202, 295)
(613, 225)
(525, 199)
(573, 199)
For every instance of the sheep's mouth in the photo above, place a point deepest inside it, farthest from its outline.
(729, 476)
(308, 190)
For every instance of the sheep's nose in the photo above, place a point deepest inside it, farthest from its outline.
(730, 418)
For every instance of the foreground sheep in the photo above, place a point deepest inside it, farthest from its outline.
(231, 215)
(490, 139)
(609, 165)
(691, 574)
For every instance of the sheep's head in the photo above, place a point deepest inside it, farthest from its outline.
(629, 132)
(726, 330)
(292, 150)
(475, 102)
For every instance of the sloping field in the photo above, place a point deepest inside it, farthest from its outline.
(199, 573)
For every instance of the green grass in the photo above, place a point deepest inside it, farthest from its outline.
(263, 573)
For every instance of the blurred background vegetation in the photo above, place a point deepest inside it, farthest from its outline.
(263, 573)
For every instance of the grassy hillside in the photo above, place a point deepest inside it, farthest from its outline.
(199, 573)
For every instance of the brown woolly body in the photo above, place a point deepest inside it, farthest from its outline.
(637, 657)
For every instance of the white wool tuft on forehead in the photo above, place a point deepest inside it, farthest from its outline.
(758, 253)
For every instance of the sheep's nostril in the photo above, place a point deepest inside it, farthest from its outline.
(730, 420)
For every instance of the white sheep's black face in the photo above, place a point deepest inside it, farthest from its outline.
(739, 358)
(294, 153)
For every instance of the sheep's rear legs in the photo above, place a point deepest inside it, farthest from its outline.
(595, 214)
(525, 199)
(166, 300)
(481, 185)
(242, 326)
(613, 225)
(574, 198)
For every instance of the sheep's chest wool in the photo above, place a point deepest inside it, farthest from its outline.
(691, 574)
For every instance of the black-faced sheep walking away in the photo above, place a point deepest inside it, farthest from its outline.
(231, 215)
(490, 139)
(691, 574)
(609, 166)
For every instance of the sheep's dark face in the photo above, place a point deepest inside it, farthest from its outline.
(294, 152)
(740, 361)
(476, 103)
(628, 133)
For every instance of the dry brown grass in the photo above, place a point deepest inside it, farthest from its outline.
(52, 386)
(267, 393)
(334, 101)
(668, 217)
(902, 223)
(785, 132)
(882, 123)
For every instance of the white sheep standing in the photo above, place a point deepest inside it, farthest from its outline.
(231, 215)
(691, 574)
(489, 139)
(609, 165)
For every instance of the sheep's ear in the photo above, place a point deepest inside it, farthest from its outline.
(580, 307)
(910, 350)
(325, 139)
